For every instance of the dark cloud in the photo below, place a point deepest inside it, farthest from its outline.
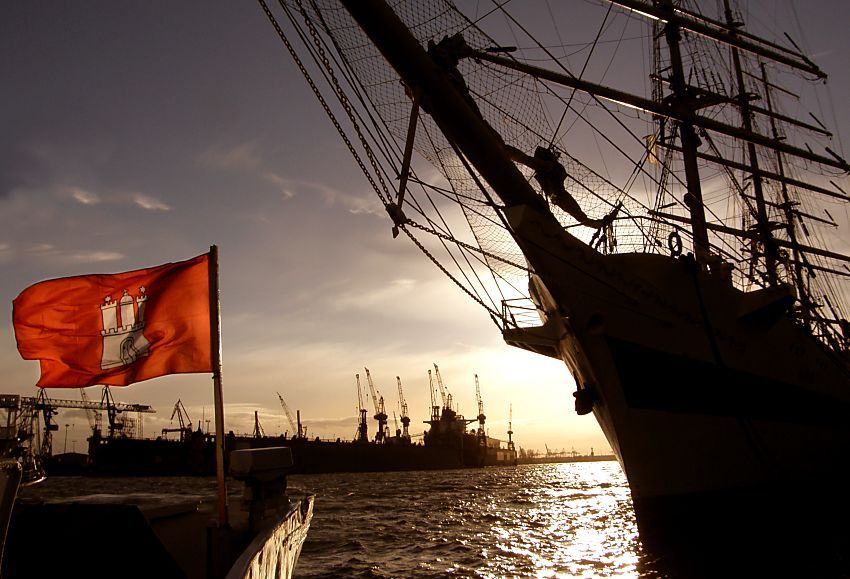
(19, 169)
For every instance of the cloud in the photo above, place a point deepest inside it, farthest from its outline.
(96, 256)
(239, 157)
(375, 297)
(244, 157)
(280, 183)
(51, 252)
(19, 168)
(150, 203)
(354, 204)
(368, 204)
(83, 196)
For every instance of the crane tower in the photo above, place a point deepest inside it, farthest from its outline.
(447, 398)
(405, 418)
(435, 409)
(510, 427)
(380, 413)
(481, 417)
(183, 420)
(362, 426)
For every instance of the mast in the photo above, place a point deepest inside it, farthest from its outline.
(218, 397)
(771, 252)
(802, 292)
(700, 24)
(690, 143)
(698, 106)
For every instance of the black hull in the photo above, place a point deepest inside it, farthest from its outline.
(321, 457)
(152, 532)
(789, 532)
(196, 457)
(146, 457)
(723, 412)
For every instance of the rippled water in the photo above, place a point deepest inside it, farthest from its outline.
(553, 520)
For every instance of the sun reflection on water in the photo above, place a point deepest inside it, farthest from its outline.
(565, 520)
(551, 520)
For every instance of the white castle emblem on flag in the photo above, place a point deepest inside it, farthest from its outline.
(123, 340)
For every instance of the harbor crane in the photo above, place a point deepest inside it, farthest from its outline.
(511, 429)
(297, 430)
(47, 407)
(435, 409)
(92, 416)
(362, 425)
(48, 411)
(18, 436)
(258, 428)
(380, 413)
(183, 421)
(405, 418)
(447, 398)
(481, 417)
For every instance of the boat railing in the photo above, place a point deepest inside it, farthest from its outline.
(519, 313)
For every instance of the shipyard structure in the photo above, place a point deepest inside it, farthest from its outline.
(450, 441)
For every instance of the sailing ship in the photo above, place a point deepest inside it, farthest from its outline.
(694, 295)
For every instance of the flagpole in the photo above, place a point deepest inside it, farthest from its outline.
(215, 350)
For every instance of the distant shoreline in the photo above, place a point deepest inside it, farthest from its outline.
(554, 459)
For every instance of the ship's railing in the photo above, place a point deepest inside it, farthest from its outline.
(519, 313)
(497, 443)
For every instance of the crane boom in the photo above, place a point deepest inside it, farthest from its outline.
(359, 393)
(85, 404)
(478, 397)
(510, 427)
(91, 416)
(362, 426)
(401, 399)
(435, 410)
(289, 417)
(380, 413)
(405, 419)
(443, 395)
(481, 417)
(372, 390)
(182, 415)
(185, 423)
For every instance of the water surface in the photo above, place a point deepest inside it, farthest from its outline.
(552, 520)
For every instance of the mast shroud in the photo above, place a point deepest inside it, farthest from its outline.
(454, 116)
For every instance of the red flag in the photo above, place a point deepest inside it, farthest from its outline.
(117, 329)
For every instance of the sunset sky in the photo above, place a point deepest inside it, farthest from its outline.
(138, 133)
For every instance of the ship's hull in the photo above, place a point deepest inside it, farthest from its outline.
(193, 456)
(151, 534)
(196, 456)
(320, 456)
(706, 394)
